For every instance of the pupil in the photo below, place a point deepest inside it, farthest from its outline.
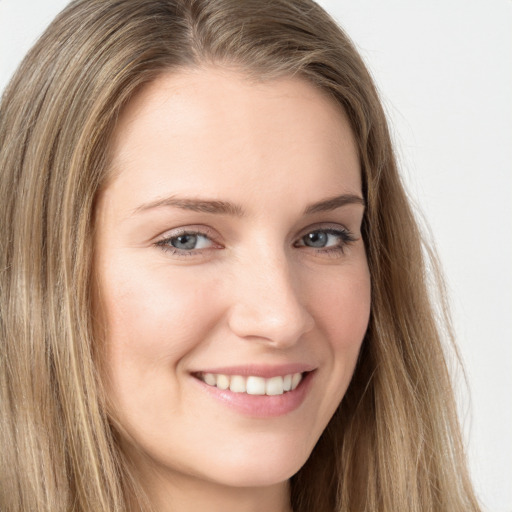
(185, 242)
(316, 239)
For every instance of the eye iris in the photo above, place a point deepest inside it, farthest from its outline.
(316, 239)
(184, 242)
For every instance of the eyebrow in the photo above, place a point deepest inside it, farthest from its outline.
(228, 208)
(196, 205)
(333, 203)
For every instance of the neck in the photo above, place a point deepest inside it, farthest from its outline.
(182, 493)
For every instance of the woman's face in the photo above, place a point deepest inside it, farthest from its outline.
(230, 268)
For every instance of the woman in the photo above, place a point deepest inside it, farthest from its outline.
(213, 287)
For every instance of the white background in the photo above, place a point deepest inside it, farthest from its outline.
(444, 69)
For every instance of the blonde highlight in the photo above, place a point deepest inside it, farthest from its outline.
(393, 444)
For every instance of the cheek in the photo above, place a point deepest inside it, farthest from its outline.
(342, 313)
(154, 319)
(343, 310)
(340, 302)
(152, 315)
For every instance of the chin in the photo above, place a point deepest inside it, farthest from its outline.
(269, 466)
(246, 477)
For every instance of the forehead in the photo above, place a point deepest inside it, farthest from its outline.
(217, 85)
(211, 127)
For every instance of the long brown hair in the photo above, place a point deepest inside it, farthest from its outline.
(394, 442)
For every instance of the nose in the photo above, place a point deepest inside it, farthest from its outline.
(267, 303)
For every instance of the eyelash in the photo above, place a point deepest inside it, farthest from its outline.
(344, 235)
(345, 239)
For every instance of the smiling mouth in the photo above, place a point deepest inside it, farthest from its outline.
(251, 384)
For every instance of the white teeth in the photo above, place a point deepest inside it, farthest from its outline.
(287, 382)
(237, 384)
(297, 377)
(210, 379)
(274, 386)
(222, 381)
(253, 385)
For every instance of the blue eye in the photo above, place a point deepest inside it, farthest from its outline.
(327, 239)
(317, 239)
(186, 242)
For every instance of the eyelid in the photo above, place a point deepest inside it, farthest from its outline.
(328, 227)
(183, 230)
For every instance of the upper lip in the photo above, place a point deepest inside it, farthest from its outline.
(265, 371)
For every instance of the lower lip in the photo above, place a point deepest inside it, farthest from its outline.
(261, 406)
